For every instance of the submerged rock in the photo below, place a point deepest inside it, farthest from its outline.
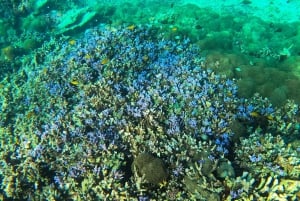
(225, 169)
(151, 168)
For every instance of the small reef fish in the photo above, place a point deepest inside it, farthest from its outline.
(74, 82)
(104, 61)
(131, 27)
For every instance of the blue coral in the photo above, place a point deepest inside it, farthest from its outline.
(135, 90)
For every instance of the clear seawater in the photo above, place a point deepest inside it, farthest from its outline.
(149, 100)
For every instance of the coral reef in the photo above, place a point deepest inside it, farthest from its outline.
(126, 114)
(108, 101)
(238, 45)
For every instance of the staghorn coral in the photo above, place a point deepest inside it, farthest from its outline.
(91, 106)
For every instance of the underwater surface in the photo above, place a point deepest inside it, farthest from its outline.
(150, 100)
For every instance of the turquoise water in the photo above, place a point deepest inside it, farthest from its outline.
(149, 100)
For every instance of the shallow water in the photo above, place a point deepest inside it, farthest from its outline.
(149, 100)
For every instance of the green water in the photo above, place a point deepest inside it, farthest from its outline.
(247, 40)
(73, 123)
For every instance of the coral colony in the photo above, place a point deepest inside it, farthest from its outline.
(127, 114)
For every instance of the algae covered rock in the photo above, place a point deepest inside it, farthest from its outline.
(197, 191)
(225, 169)
(75, 19)
(150, 168)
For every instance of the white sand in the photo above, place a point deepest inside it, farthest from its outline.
(268, 10)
